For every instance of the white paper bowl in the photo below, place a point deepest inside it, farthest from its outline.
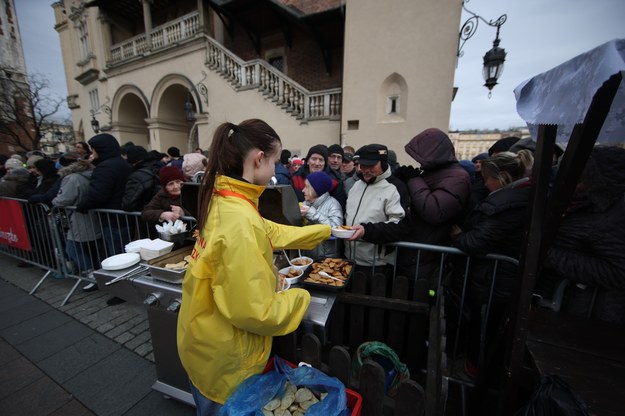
(307, 260)
(341, 233)
(291, 280)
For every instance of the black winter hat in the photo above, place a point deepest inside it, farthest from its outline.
(503, 145)
(285, 156)
(136, 154)
(173, 152)
(335, 148)
(46, 167)
(319, 149)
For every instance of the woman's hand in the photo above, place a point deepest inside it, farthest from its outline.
(177, 211)
(358, 234)
(169, 216)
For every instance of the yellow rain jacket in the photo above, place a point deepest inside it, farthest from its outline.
(230, 310)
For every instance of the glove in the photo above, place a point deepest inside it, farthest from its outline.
(405, 173)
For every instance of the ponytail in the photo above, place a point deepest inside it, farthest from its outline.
(226, 156)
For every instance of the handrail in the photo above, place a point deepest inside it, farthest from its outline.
(285, 92)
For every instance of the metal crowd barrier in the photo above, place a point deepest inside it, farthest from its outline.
(451, 264)
(68, 244)
(25, 235)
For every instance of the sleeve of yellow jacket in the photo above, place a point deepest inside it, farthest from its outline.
(244, 286)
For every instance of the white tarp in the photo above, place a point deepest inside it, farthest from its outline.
(563, 94)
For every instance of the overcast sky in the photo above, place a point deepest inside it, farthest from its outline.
(538, 35)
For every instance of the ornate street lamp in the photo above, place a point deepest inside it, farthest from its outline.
(95, 124)
(494, 58)
(188, 110)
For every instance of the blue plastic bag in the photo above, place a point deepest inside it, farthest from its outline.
(258, 390)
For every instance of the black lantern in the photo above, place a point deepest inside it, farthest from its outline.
(188, 110)
(493, 64)
(494, 58)
(95, 124)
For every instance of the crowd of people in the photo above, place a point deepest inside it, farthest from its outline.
(101, 174)
(479, 206)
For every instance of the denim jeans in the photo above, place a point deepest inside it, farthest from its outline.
(115, 239)
(80, 253)
(204, 406)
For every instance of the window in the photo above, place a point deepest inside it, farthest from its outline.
(94, 100)
(277, 62)
(85, 50)
(392, 105)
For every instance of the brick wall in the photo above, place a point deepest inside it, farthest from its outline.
(303, 60)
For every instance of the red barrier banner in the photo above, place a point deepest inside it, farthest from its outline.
(12, 225)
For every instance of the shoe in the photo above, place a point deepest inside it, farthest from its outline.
(91, 287)
(114, 301)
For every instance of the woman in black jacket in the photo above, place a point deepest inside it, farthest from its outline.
(496, 225)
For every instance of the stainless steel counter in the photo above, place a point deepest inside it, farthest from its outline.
(163, 302)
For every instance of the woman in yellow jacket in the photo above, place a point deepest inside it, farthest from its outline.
(230, 310)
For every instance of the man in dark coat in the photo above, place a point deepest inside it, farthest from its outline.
(143, 182)
(438, 190)
(106, 189)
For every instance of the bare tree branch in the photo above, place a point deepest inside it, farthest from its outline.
(26, 108)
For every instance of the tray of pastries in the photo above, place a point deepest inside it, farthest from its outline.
(330, 274)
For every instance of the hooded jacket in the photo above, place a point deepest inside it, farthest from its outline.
(108, 181)
(438, 193)
(75, 180)
(230, 310)
(142, 185)
(377, 202)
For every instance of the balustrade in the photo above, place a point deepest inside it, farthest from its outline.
(272, 83)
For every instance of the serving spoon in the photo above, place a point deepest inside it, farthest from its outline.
(324, 274)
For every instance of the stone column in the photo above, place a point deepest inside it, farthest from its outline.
(147, 22)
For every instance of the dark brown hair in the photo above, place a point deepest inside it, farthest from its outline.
(231, 144)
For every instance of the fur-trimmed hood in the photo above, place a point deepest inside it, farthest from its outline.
(76, 167)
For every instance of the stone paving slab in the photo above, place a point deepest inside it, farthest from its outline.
(54, 364)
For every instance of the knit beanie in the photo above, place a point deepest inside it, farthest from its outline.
(285, 156)
(320, 182)
(319, 149)
(335, 148)
(192, 163)
(13, 163)
(173, 152)
(136, 154)
(168, 174)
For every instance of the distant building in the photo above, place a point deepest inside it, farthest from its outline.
(469, 144)
(167, 73)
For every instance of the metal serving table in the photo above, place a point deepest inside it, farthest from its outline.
(163, 302)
